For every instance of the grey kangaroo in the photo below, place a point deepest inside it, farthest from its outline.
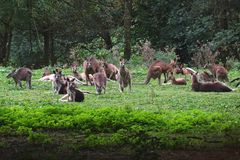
(124, 77)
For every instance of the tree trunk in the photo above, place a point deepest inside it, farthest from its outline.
(52, 56)
(127, 26)
(222, 13)
(5, 46)
(8, 47)
(46, 54)
(107, 38)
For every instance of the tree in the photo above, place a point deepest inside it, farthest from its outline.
(7, 13)
(127, 28)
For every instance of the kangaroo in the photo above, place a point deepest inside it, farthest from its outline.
(111, 70)
(208, 86)
(59, 83)
(100, 81)
(124, 76)
(157, 68)
(46, 72)
(218, 71)
(73, 94)
(184, 71)
(21, 74)
(80, 76)
(178, 81)
(91, 66)
(206, 77)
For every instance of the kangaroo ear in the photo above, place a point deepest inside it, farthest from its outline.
(67, 79)
(73, 80)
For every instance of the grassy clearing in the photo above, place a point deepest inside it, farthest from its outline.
(150, 117)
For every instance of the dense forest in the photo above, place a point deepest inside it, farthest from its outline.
(51, 32)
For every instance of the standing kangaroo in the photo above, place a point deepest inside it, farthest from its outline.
(100, 80)
(124, 77)
(157, 68)
(218, 71)
(91, 66)
(21, 74)
(111, 70)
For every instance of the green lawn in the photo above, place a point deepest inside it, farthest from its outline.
(147, 118)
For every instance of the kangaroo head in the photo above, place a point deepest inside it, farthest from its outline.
(58, 75)
(90, 62)
(74, 68)
(11, 74)
(98, 89)
(173, 63)
(70, 84)
(122, 63)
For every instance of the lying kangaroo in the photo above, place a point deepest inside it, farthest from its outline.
(80, 76)
(208, 86)
(178, 81)
(124, 77)
(21, 74)
(59, 83)
(73, 95)
(46, 72)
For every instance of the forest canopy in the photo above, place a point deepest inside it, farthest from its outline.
(48, 32)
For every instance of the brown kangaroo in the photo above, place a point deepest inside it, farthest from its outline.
(111, 70)
(208, 86)
(178, 81)
(124, 76)
(91, 65)
(218, 71)
(21, 74)
(184, 71)
(157, 68)
(80, 76)
(206, 77)
(179, 69)
(100, 80)
(46, 72)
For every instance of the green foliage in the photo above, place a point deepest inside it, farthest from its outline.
(165, 56)
(150, 117)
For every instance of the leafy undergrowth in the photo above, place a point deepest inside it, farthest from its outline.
(149, 117)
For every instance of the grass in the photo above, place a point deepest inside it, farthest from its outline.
(149, 117)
